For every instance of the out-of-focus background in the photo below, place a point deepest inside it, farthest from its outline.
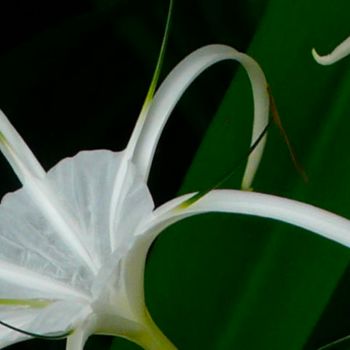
(73, 76)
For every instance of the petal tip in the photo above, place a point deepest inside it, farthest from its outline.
(340, 52)
(324, 60)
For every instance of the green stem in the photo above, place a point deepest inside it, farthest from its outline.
(143, 332)
(152, 338)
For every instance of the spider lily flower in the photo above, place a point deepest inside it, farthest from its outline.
(74, 239)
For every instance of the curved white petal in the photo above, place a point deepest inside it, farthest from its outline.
(177, 82)
(341, 51)
(307, 216)
(77, 340)
(18, 154)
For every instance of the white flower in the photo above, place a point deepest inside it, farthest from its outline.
(74, 239)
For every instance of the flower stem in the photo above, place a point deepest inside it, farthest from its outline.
(142, 331)
(152, 338)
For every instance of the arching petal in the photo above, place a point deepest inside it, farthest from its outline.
(319, 221)
(18, 154)
(177, 82)
(341, 51)
(77, 340)
(309, 217)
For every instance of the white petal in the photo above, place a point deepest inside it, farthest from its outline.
(31, 241)
(17, 319)
(59, 318)
(133, 270)
(341, 51)
(21, 318)
(17, 152)
(32, 177)
(86, 185)
(37, 201)
(18, 282)
(34, 260)
(309, 217)
(77, 340)
(177, 82)
(56, 319)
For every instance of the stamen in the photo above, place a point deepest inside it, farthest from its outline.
(49, 336)
(202, 193)
(277, 120)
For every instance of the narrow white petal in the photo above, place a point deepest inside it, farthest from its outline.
(61, 220)
(32, 176)
(31, 241)
(17, 152)
(38, 199)
(119, 190)
(309, 217)
(130, 203)
(77, 340)
(177, 82)
(341, 51)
